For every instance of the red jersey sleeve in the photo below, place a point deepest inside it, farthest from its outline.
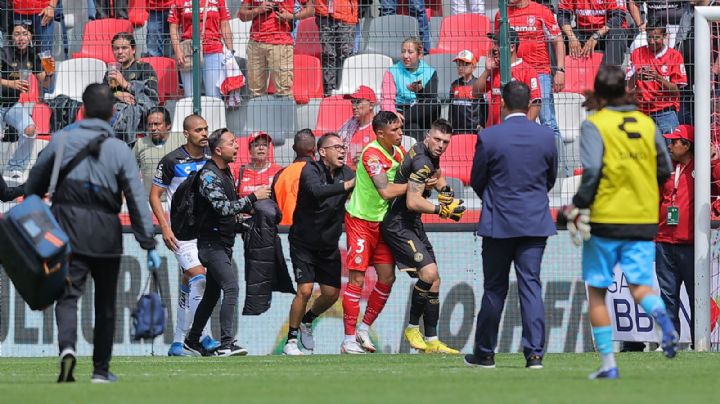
(175, 12)
(568, 5)
(531, 79)
(550, 22)
(223, 11)
(374, 162)
(616, 5)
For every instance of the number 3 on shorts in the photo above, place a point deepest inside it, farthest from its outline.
(360, 246)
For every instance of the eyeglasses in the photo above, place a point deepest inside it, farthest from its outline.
(338, 147)
(259, 145)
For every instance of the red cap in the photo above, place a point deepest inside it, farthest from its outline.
(256, 135)
(363, 93)
(686, 132)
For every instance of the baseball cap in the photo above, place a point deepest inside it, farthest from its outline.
(257, 135)
(363, 93)
(466, 56)
(686, 132)
(513, 38)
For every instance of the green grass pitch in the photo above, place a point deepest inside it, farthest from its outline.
(645, 378)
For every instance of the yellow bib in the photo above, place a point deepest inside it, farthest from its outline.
(628, 190)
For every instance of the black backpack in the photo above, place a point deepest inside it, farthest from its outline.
(184, 218)
(64, 111)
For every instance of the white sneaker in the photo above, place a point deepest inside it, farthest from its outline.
(352, 348)
(291, 348)
(363, 338)
(306, 337)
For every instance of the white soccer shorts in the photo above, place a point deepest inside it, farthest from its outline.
(187, 254)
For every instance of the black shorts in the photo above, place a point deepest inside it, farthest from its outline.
(321, 266)
(409, 243)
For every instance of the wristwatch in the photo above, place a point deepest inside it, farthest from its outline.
(595, 36)
(560, 69)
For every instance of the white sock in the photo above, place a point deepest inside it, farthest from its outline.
(363, 327)
(181, 324)
(197, 289)
(349, 338)
(608, 361)
(435, 338)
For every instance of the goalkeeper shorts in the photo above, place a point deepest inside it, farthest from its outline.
(409, 243)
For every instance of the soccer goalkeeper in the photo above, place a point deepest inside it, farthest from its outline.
(403, 231)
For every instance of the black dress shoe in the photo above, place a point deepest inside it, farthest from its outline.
(534, 362)
(486, 362)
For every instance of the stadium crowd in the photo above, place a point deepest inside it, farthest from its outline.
(387, 143)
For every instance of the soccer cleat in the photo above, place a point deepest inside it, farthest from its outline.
(209, 343)
(231, 349)
(352, 348)
(98, 378)
(176, 349)
(363, 338)
(534, 362)
(415, 338)
(306, 336)
(437, 346)
(485, 362)
(291, 348)
(194, 348)
(601, 373)
(670, 338)
(67, 366)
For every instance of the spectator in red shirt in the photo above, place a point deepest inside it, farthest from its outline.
(599, 27)
(489, 80)
(657, 72)
(675, 252)
(357, 131)
(40, 16)
(270, 49)
(261, 170)
(158, 27)
(216, 32)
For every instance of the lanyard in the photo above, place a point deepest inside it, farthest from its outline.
(678, 173)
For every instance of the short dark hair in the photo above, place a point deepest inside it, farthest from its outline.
(610, 83)
(186, 121)
(26, 24)
(161, 110)
(98, 101)
(442, 125)
(215, 137)
(304, 142)
(383, 119)
(516, 95)
(324, 139)
(126, 36)
(656, 25)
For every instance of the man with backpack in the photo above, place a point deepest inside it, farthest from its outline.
(97, 172)
(218, 215)
(172, 171)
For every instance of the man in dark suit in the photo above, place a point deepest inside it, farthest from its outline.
(514, 167)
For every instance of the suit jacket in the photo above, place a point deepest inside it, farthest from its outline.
(514, 167)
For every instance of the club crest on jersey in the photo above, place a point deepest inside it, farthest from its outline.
(664, 69)
(418, 257)
(358, 259)
(531, 20)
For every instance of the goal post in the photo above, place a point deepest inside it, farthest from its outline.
(703, 99)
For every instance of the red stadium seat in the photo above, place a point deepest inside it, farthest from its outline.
(463, 31)
(307, 81)
(334, 111)
(33, 95)
(243, 155)
(457, 160)
(580, 72)
(97, 37)
(138, 13)
(166, 70)
(307, 41)
(41, 116)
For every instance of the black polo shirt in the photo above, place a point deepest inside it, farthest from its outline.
(12, 60)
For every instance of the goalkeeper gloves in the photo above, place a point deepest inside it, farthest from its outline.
(578, 224)
(446, 195)
(454, 210)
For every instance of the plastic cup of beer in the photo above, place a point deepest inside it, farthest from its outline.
(112, 67)
(47, 62)
(25, 75)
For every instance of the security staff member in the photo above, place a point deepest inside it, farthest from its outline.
(314, 236)
(220, 205)
(89, 198)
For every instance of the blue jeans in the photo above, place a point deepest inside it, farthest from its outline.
(158, 31)
(211, 71)
(665, 122)
(42, 35)
(416, 9)
(547, 118)
(675, 265)
(18, 116)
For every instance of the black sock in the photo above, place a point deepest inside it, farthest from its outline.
(292, 333)
(418, 301)
(309, 317)
(431, 314)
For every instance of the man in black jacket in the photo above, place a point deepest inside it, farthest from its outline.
(314, 236)
(86, 204)
(216, 236)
